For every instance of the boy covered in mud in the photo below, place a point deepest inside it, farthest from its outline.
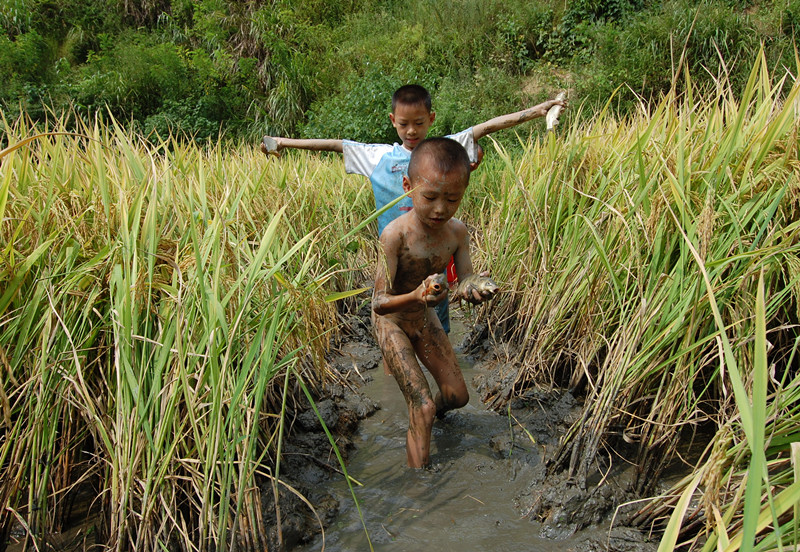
(386, 165)
(409, 283)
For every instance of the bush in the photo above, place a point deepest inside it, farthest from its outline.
(131, 77)
(186, 118)
(462, 101)
(644, 53)
(360, 109)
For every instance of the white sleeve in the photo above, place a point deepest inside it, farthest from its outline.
(362, 158)
(467, 139)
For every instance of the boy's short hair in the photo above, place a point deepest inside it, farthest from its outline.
(446, 154)
(411, 94)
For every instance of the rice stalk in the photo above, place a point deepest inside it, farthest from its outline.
(597, 236)
(153, 297)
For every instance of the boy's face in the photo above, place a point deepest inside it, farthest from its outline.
(436, 195)
(411, 123)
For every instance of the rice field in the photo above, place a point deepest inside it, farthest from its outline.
(653, 265)
(161, 304)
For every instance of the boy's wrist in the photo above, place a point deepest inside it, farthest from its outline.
(422, 291)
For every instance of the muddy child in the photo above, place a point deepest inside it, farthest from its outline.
(408, 285)
(386, 165)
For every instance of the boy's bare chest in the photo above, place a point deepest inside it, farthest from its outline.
(418, 258)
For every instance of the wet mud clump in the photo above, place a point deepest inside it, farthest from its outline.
(563, 509)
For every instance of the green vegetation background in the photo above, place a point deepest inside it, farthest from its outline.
(313, 68)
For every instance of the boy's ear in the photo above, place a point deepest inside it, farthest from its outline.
(406, 183)
(433, 116)
(391, 117)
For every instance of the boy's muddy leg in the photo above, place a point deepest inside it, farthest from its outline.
(434, 350)
(401, 361)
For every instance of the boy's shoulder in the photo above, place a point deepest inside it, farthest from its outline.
(364, 159)
(376, 147)
(398, 226)
(457, 228)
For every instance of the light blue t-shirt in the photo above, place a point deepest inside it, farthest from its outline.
(385, 165)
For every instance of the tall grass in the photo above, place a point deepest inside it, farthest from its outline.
(158, 307)
(632, 251)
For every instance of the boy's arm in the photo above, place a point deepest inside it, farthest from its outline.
(384, 301)
(463, 263)
(462, 258)
(274, 144)
(513, 119)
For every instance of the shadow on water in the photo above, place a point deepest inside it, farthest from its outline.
(465, 500)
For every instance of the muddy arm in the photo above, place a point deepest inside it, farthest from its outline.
(273, 145)
(513, 119)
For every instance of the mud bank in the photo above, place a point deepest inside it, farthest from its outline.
(489, 484)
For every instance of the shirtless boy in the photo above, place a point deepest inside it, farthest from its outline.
(385, 165)
(417, 247)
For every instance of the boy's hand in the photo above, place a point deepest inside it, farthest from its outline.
(477, 288)
(434, 289)
(544, 107)
(270, 146)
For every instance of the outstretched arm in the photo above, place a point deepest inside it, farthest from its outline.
(272, 145)
(513, 119)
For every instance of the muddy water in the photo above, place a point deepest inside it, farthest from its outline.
(465, 502)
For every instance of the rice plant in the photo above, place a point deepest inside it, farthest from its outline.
(159, 304)
(632, 251)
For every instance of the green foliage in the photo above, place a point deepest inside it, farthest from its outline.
(132, 78)
(461, 103)
(15, 16)
(178, 118)
(360, 109)
(790, 24)
(301, 67)
(27, 57)
(711, 39)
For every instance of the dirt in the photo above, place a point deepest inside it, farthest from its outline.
(559, 514)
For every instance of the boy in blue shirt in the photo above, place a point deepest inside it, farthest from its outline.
(385, 165)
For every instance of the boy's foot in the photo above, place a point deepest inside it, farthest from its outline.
(269, 146)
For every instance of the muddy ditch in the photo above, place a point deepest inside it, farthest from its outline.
(488, 487)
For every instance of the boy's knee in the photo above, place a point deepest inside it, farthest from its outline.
(455, 399)
(461, 400)
(423, 413)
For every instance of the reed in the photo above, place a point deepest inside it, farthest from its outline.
(157, 301)
(652, 262)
